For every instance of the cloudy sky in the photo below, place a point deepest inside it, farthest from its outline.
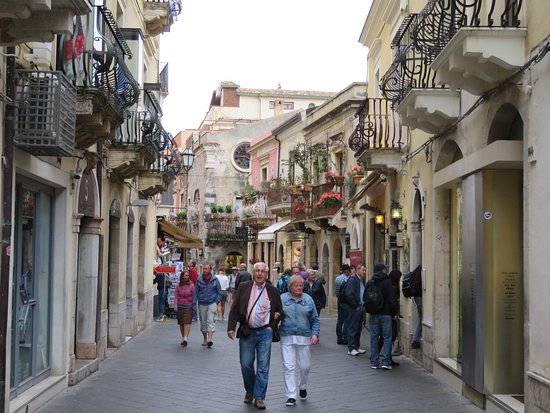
(301, 44)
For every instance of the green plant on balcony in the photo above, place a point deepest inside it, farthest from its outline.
(228, 209)
(329, 199)
(214, 208)
(250, 194)
(182, 216)
(356, 174)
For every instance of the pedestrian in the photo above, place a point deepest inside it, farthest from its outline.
(160, 281)
(395, 277)
(224, 285)
(320, 276)
(183, 304)
(243, 275)
(417, 298)
(258, 310)
(282, 282)
(355, 290)
(341, 322)
(232, 290)
(194, 275)
(299, 330)
(206, 298)
(380, 321)
(314, 288)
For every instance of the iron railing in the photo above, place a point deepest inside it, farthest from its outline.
(93, 56)
(378, 127)
(409, 70)
(318, 211)
(440, 20)
(225, 228)
(300, 206)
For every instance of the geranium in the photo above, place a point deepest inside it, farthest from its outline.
(301, 205)
(356, 171)
(330, 175)
(329, 199)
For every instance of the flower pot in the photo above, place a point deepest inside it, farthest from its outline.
(308, 187)
(296, 192)
(357, 179)
(339, 180)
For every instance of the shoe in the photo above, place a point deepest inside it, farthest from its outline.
(386, 367)
(290, 402)
(361, 351)
(339, 342)
(415, 344)
(303, 394)
(394, 363)
(248, 398)
(184, 343)
(209, 344)
(353, 353)
(374, 367)
(259, 404)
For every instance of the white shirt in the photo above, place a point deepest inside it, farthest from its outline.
(224, 281)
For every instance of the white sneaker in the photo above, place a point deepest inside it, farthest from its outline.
(353, 352)
(361, 351)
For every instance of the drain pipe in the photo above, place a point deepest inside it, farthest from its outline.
(6, 219)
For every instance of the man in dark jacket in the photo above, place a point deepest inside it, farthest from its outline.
(355, 289)
(242, 276)
(380, 322)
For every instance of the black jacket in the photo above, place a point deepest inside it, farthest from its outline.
(353, 291)
(317, 292)
(390, 301)
(242, 276)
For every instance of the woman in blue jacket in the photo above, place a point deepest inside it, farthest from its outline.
(299, 330)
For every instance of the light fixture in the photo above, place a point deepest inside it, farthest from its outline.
(396, 211)
(379, 219)
(187, 158)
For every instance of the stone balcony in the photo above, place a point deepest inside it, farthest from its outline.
(152, 183)
(159, 15)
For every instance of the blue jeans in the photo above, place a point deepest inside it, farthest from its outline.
(380, 326)
(355, 325)
(341, 323)
(418, 330)
(161, 301)
(256, 346)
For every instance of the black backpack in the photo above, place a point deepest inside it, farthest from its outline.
(373, 297)
(411, 286)
(342, 293)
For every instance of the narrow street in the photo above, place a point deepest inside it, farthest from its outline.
(153, 373)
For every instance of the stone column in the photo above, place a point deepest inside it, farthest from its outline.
(88, 270)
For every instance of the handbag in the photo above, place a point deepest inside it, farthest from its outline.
(244, 330)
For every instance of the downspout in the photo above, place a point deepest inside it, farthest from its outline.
(6, 217)
(276, 252)
(99, 295)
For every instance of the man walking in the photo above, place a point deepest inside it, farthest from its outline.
(257, 307)
(380, 321)
(208, 294)
(355, 290)
(341, 323)
(243, 275)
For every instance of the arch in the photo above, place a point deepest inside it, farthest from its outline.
(507, 124)
(196, 195)
(449, 154)
(313, 254)
(354, 240)
(281, 255)
(88, 196)
(115, 210)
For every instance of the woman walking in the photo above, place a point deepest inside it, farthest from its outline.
(299, 330)
(224, 285)
(183, 304)
(315, 289)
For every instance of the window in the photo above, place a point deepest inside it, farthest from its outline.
(289, 105)
(241, 157)
(264, 173)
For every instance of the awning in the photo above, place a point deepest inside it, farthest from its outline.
(372, 180)
(183, 238)
(266, 234)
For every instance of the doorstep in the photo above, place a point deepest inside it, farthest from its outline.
(83, 369)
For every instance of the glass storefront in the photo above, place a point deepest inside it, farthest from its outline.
(31, 288)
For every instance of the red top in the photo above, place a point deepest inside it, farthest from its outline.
(193, 274)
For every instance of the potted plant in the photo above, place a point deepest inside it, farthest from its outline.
(182, 216)
(333, 177)
(228, 209)
(356, 174)
(329, 199)
(295, 189)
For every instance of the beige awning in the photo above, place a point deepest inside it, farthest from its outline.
(183, 238)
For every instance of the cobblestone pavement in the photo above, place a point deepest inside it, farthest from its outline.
(153, 373)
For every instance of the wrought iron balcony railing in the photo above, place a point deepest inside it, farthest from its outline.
(322, 207)
(378, 127)
(300, 206)
(409, 70)
(94, 57)
(440, 20)
(225, 228)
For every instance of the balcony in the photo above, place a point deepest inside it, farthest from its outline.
(45, 113)
(377, 139)
(467, 48)
(278, 199)
(257, 215)
(301, 207)
(159, 15)
(94, 62)
(226, 229)
(410, 85)
(140, 143)
(38, 20)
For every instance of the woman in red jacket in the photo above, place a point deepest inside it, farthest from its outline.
(183, 303)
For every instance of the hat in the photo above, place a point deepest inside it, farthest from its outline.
(234, 268)
(380, 267)
(346, 267)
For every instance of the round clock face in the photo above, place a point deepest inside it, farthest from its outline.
(241, 157)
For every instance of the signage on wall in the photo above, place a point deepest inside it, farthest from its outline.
(355, 257)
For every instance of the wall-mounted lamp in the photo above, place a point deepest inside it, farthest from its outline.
(379, 219)
(396, 211)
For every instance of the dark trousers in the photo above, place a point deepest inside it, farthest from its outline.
(355, 326)
(341, 322)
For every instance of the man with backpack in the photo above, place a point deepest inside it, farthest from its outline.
(340, 291)
(355, 291)
(382, 310)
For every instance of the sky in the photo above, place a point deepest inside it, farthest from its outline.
(259, 44)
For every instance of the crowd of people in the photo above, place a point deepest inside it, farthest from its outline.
(288, 311)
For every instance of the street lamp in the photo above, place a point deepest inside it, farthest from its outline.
(187, 158)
